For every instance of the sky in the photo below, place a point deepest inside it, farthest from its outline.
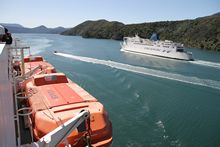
(69, 13)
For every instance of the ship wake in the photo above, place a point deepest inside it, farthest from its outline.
(146, 71)
(206, 63)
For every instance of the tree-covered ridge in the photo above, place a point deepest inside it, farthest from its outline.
(203, 32)
(96, 29)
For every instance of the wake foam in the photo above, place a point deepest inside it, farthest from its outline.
(206, 63)
(147, 71)
(38, 45)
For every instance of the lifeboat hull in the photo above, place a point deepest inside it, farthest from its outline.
(55, 99)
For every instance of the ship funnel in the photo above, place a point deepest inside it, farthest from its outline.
(154, 37)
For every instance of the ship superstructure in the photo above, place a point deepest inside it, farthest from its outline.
(155, 47)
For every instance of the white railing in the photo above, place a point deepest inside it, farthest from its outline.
(16, 54)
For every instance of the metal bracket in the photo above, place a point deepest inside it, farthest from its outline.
(59, 134)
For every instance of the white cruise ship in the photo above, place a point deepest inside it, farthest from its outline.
(155, 47)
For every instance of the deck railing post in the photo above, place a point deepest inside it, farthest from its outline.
(22, 62)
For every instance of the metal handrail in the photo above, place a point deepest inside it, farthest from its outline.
(25, 109)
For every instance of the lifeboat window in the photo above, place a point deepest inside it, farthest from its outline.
(32, 58)
(50, 78)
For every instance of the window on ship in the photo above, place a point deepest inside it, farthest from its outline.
(179, 50)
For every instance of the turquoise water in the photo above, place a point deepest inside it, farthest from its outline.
(150, 101)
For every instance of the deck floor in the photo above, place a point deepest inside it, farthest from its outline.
(7, 125)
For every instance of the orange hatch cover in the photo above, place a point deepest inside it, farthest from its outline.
(54, 87)
(60, 94)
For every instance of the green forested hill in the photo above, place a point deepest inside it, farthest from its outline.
(201, 33)
(96, 29)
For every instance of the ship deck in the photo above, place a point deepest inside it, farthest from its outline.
(7, 122)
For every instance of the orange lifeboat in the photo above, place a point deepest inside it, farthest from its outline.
(36, 64)
(55, 99)
(33, 65)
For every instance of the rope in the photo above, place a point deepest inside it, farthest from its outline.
(47, 108)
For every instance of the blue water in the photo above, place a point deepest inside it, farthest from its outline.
(150, 101)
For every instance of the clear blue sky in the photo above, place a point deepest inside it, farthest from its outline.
(69, 13)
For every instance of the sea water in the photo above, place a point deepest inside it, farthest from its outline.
(150, 101)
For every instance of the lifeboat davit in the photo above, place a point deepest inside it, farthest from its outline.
(55, 99)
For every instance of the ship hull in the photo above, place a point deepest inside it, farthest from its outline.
(164, 53)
